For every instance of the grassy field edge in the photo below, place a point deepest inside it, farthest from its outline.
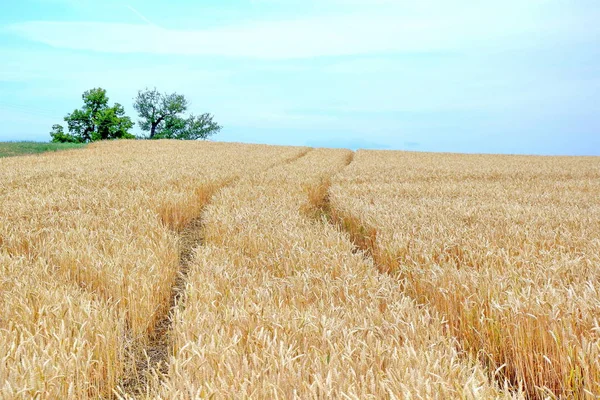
(12, 149)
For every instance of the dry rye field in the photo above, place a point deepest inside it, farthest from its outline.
(179, 270)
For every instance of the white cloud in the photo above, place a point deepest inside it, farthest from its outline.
(307, 38)
(430, 27)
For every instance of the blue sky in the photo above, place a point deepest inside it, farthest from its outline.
(507, 76)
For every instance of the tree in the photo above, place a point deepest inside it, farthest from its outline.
(59, 136)
(200, 127)
(190, 128)
(94, 121)
(160, 114)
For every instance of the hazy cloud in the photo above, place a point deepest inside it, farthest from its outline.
(383, 30)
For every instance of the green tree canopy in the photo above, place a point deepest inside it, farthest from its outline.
(161, 115)
(94, 121)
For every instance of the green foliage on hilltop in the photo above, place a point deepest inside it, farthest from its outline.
(161, 116)
(96, 120)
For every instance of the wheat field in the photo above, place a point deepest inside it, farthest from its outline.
(173, 270)
(505, 248)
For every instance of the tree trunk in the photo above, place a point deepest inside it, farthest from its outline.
(87, 137)
(154, 126)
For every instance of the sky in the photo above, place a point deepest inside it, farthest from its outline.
(509, 76)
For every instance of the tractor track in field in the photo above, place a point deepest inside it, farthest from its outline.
(151, 357)
(364, 240)
(320, 208)
(290, 160)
